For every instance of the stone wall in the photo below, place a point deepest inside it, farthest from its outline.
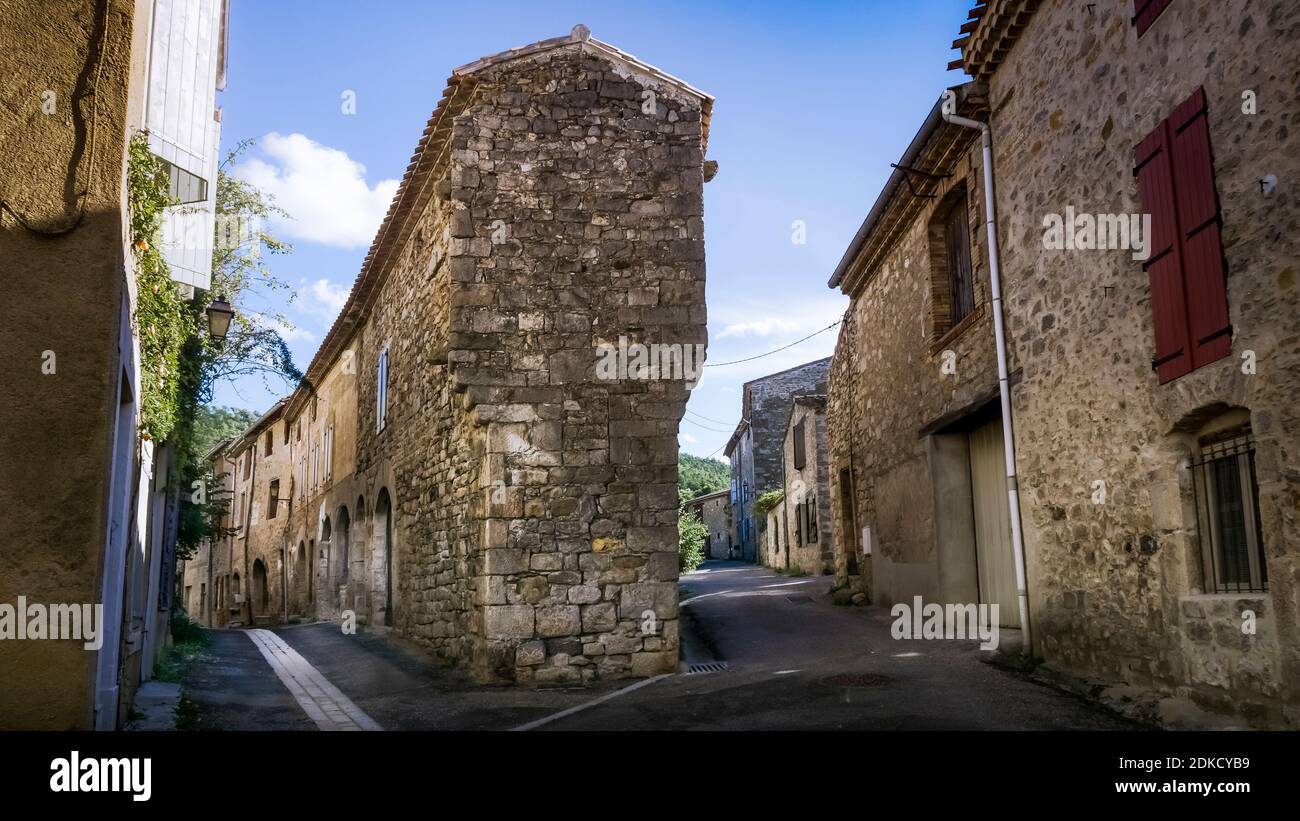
(808, 485)
(1116, 588)
(513, 510)
(897, 377)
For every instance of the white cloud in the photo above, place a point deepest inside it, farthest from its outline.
(687, 438)
(767, 326)
(294, 333)
(322, 188)
(323, 298)
(774, 313)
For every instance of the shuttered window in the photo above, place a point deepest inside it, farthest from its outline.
(800, 448)
(1189, 293)
(957, 239)
(1145, 13)
(381, 391)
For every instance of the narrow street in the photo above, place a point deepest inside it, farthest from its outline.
(784, 657)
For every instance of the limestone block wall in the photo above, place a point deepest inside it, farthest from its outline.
(424, 454)
(535, 504)
(1116, 588)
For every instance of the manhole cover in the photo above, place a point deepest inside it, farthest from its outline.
(856, 680)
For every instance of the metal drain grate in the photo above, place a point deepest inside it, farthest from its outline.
(709, 667)
(799, 598)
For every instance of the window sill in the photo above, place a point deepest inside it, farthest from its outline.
(951, 335)
(1212, 597)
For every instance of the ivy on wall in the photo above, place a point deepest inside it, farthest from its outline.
(164, 322)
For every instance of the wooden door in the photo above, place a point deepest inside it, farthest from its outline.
(988, 476)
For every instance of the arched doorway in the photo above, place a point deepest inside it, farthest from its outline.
(259, 592)
(342, 561)
(383, 529)
(301, 579)
(324, 570)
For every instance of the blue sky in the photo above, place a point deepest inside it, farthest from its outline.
(814, 101)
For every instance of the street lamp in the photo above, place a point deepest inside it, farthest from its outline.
(219, 313)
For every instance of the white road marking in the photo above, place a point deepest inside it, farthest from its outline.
(579, 708)
(323, 703)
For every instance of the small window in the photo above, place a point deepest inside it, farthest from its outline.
(273, 503)
(381, 391)
(810, 511)
(1227, 502)
(270, 443)
(183, 187)
(329, 453)
(800, 456)
(956, 231)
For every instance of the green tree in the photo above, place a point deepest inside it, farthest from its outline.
(253, 346)
(697, 476)
(213, 423)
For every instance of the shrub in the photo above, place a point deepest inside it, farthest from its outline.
(691, 534)
(767, 502)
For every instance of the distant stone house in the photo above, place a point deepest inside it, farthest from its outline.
(1152, 371)
(804, 511)
(456, 467)
(714, 510)
(754, 449)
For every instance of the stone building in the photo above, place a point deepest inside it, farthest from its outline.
(909, 399)
(754, 449)
(714, 510)
(456, 467)
(803, 516)
(93, 513)
(1152, 370)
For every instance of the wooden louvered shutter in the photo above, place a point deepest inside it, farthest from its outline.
(1145, 13)
(1205, 273)
(1189, 301)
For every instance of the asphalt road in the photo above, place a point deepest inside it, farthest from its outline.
(793, 660)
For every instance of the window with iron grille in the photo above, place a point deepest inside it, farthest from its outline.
(1227, 504)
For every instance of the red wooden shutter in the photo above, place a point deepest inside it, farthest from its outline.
(1145, 13)
(1164, 265)
(1205, 273)
(1189, 300)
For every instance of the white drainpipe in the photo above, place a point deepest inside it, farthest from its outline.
(1004, 389)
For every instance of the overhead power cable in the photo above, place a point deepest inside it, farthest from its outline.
(775, 350)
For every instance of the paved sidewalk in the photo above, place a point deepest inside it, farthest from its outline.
(323, 703)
